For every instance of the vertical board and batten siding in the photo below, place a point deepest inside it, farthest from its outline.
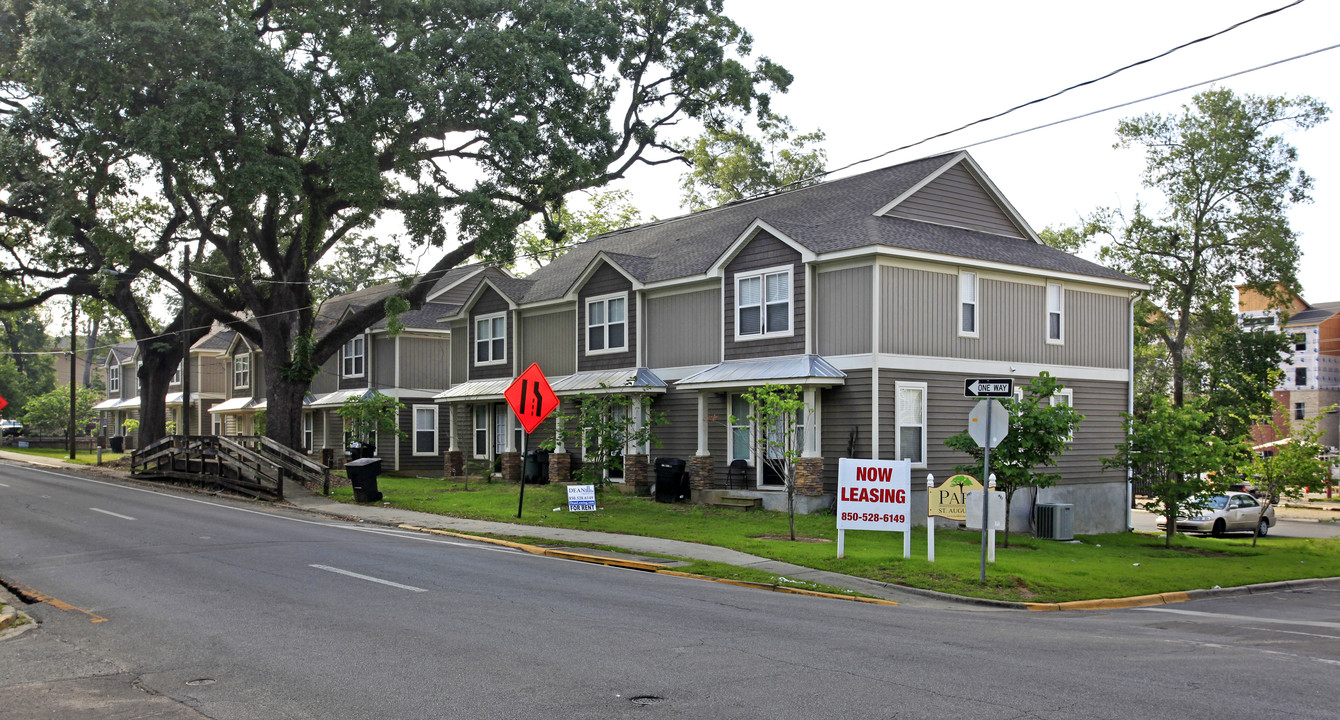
(842, 312)
(550, 339)
(956, 198)
(920, 317)
(678, 438)
(843, 410)
(380, 361)
(489, 303)
(605, 281)
(765, 251)
(460, 352)
(424, 362)
(947, 414)
(327, 377)
(684, 329)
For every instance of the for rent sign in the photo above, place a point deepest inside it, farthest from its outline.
(874, 494)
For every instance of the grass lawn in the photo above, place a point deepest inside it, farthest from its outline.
(1031, 570)
(83, 457)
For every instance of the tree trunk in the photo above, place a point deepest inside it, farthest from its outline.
(283, 394)
(154, 375)
(1009, 500)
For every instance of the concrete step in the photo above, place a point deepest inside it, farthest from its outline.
(739, 503)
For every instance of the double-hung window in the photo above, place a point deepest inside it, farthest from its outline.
(241, 370)
(1064, 396)
(910, 414)
(607, 324)
(967, 301)
(1055, 313)
(353, 358)
(1300, 377)
(114, 378)
(1300, 341)
(307, 431)
(425, 429)
(763, 304)
(481, 430)
(1299, 411)
(491, 339)
(176, 376)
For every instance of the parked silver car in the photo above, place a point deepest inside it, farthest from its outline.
(1230, 512)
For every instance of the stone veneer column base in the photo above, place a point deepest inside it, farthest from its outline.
(635, 475)
(560, 467)
(454, 466)
(511, 466)
(701, 470)
(810, 476)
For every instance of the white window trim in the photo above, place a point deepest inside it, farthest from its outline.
(308, 431)
(414, 430)
(586, 339)
(475, 428)
(176, 376)
(763, 302)
(474, 356)
(745, 422)
(114, 378)
(976, 331)
(361, 359)
(1069, 395)
(1047, 317)
(246, 362)
(898, 387)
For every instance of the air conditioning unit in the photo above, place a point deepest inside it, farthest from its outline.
(1054, 521)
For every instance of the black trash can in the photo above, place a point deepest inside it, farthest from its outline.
(118, 443)
(536, 469)
(672, 482)
(363, 474)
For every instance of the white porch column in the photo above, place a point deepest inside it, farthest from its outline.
(811, 424)
(702, 424)
(510, 445)
(559, 446)
(452, 444)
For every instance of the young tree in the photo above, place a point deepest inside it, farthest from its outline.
(728, 163)
(1227, 178)
(368, 415)
(1179, 460)
(269, 134)
(1040, 429)
(1295, 463)
(776, 420)
(606, 426)
(49, 413)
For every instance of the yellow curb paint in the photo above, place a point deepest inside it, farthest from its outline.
(645, 566)
(61, 605)
(1113, 603)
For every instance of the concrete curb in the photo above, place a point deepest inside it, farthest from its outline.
(8, 616)
(643, 566)
(1179, 597)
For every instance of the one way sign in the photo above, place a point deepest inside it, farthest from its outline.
(988, 387)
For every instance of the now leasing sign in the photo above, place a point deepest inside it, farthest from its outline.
(874, 494)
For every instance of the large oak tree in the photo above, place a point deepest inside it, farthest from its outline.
(266, 135)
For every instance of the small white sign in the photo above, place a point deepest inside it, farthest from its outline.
(874, 494)
(996, 512)
(581, 498)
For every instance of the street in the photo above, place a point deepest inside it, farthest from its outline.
(234, 610)
(1285, 526)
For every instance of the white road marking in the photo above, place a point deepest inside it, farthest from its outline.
(369, 578)
(3, 485)
(1295, 632)
(109, 512)
(1247, 618)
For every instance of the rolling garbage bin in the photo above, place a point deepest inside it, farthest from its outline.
(536, 469)
(671, 480)
(363, 476)
(118, 443)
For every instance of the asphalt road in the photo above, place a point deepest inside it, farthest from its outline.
(226, 610)
(1284, 527)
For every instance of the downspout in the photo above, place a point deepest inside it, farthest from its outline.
(1130, 402)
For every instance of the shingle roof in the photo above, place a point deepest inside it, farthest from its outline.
(123, 351)
(1314, 315)
(836, 215)
(219, 339)
(333, 309)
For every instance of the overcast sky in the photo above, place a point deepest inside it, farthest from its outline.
(878, 75)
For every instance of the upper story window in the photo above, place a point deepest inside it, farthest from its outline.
(114, 378)
(354, 357)
(491, 339)
(763, 304)
(1055, 312)
(1300, 376)
(176, 376)
(967, 302)
(607, 324)
(241, 370)
(1299, 411)
(1300, 341)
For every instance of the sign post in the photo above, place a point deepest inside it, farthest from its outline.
(986, 439)
(948, 502)
(531, 399)
(874, 495)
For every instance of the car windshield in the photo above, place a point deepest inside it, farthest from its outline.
(1217, 502)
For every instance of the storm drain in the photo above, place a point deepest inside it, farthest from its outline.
(646, 699)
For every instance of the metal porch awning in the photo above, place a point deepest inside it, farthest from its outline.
(108, 404)
(235, 405)
(640, 380)
(803, 370)
(337, 398)
(475, 390)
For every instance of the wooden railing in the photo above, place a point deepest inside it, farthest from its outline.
(251, 465)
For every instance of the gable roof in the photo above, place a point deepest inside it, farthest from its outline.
(830, 217)
(121, 353)
(334, 309)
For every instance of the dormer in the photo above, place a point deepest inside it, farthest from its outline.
(606, 300)
(765, 292)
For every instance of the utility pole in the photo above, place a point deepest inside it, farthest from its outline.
(74, 336)
(185, 347)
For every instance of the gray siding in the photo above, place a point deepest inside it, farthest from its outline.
(765, 251)
(369, 363)
(381, 361)
(679, 437)
(920, 317)
(490, 302)
(684, 329)
(550, 340)
(845, 410)
(956, 198)
(327, 379)
(429, 465)
(842, 313)
(604, 281)
(460, 353)
(424, 362)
